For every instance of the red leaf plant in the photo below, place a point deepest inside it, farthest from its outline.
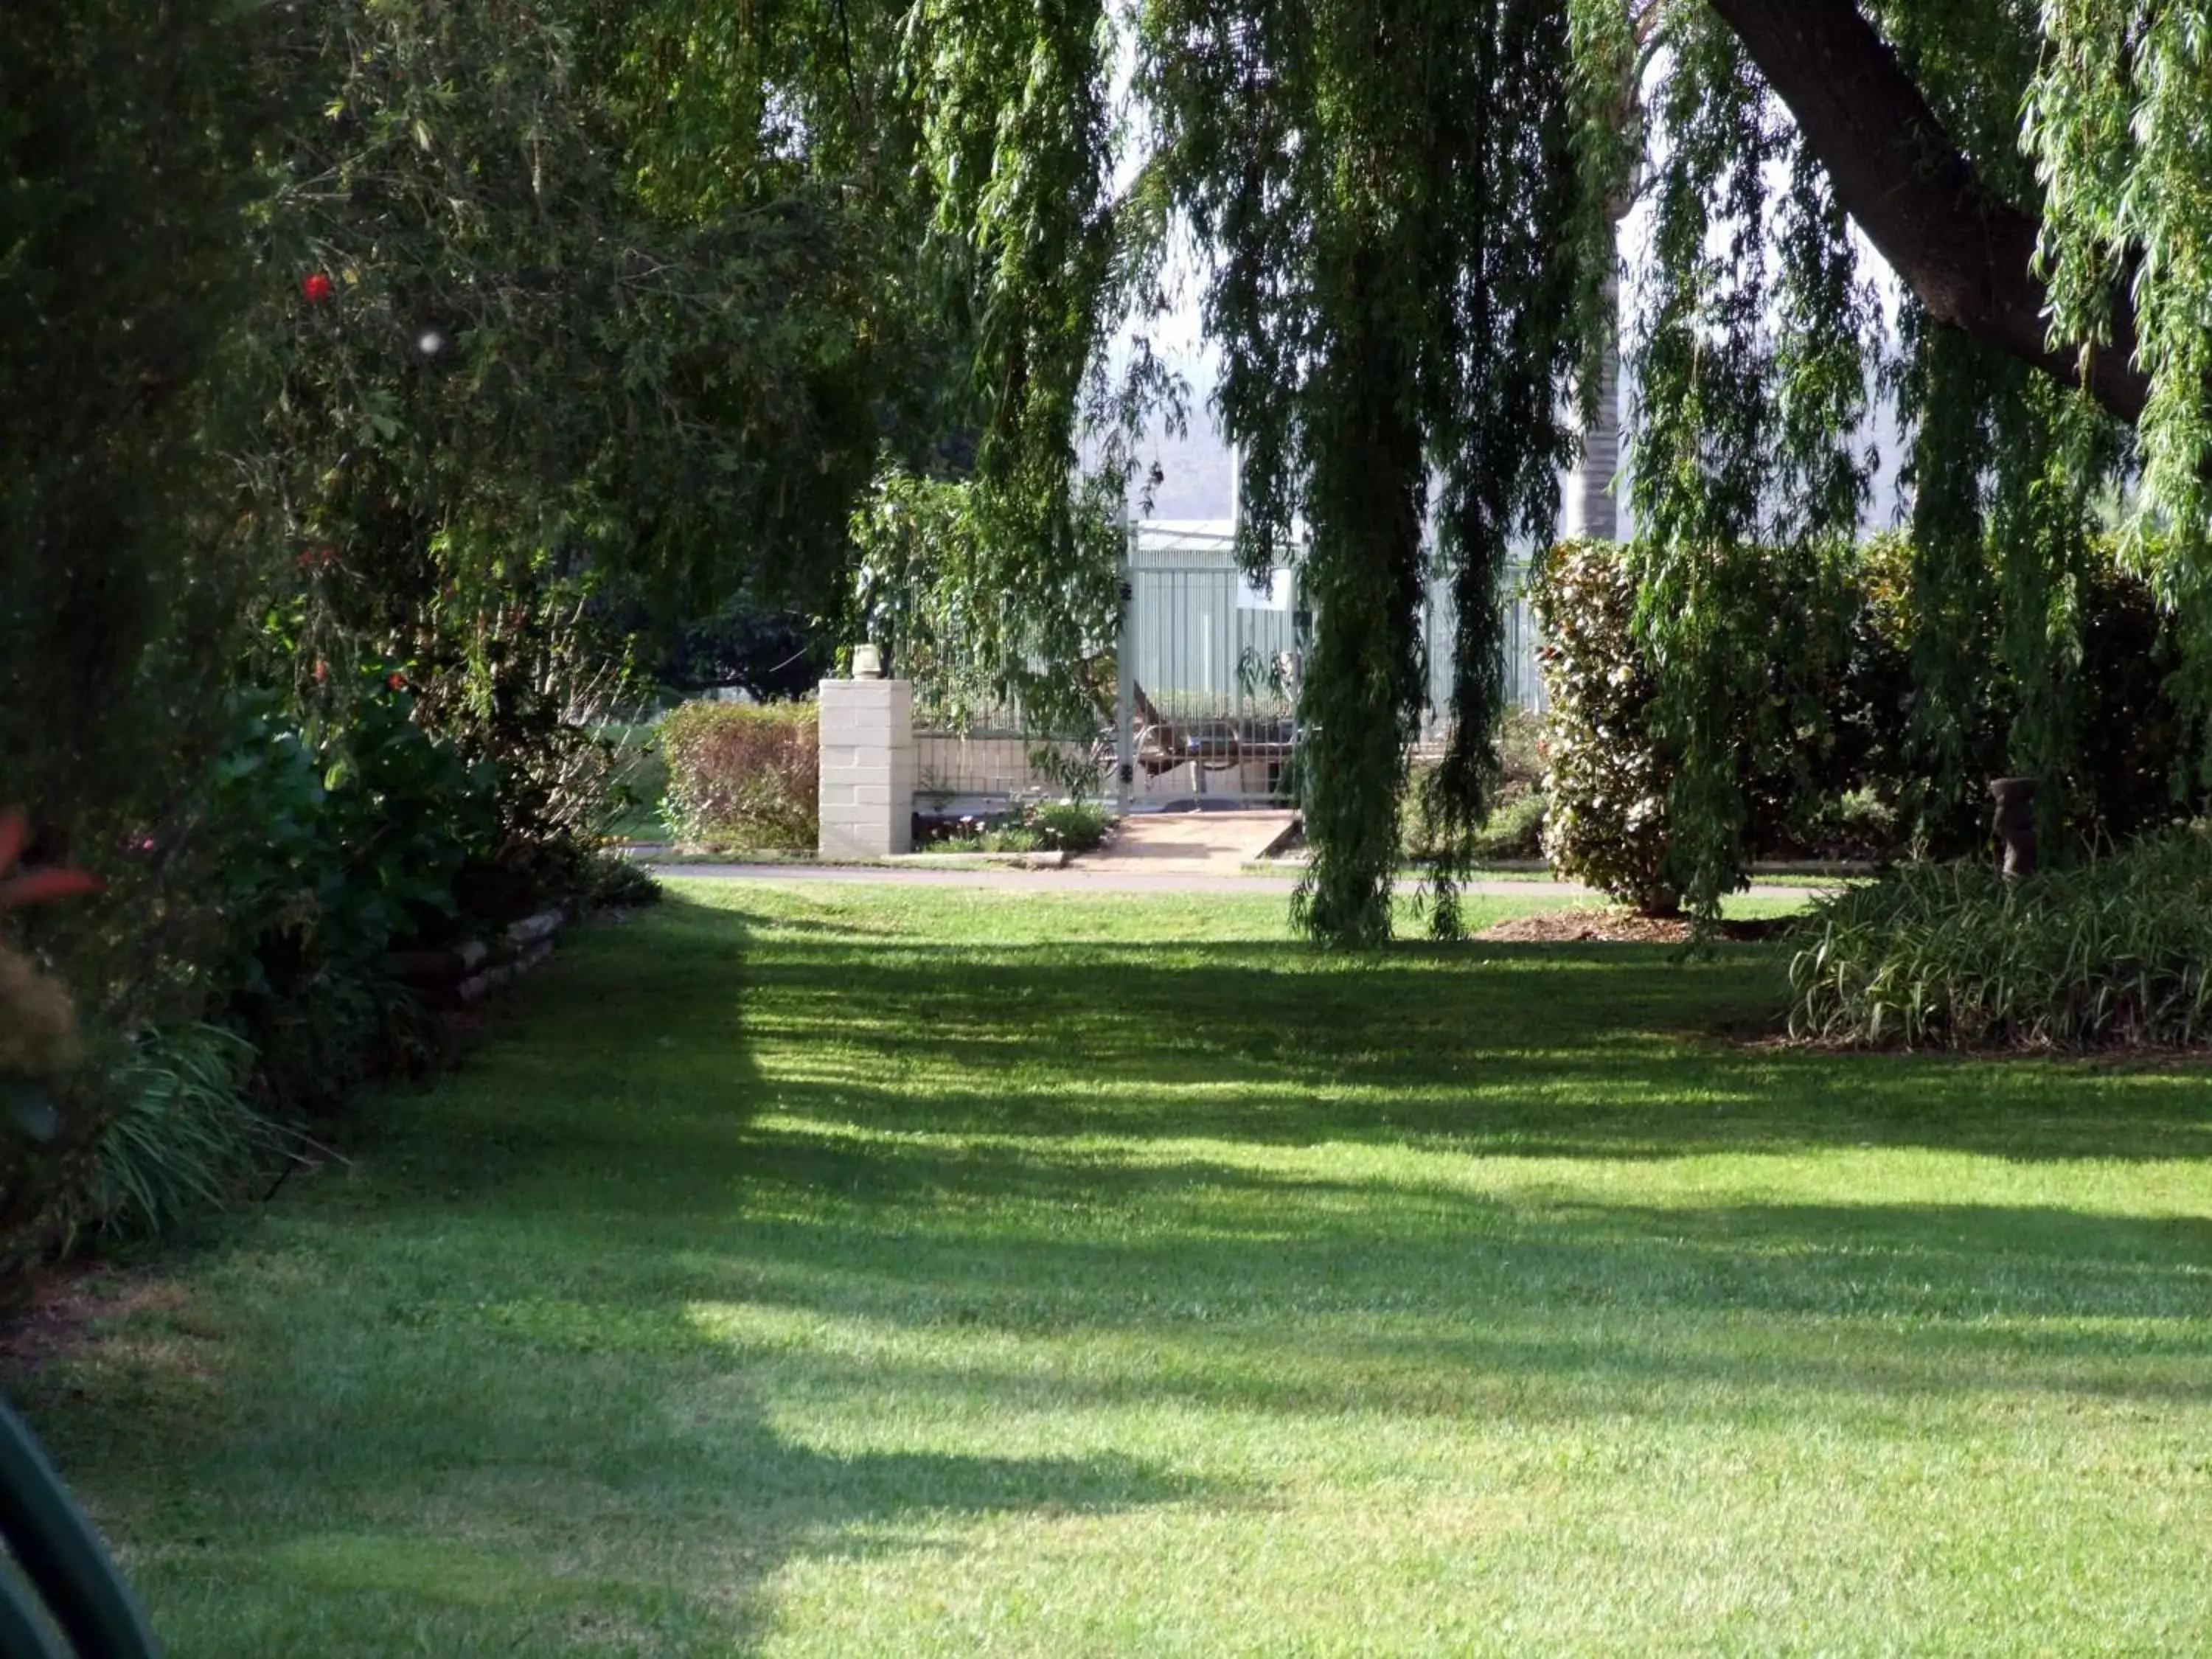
(33, 886)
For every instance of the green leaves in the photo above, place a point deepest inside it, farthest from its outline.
(2115, 123)
(1391, 202)
(1950, 956)
(952, 583)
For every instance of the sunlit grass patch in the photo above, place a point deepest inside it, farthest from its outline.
(847, 1270)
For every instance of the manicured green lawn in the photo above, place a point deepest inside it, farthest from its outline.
(845, 1271)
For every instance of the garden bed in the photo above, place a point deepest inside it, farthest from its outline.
(1610, 926)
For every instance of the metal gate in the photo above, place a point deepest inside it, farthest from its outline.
(1205, 712)
(1208, 663)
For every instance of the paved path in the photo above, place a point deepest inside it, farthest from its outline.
(1189, 843)
(1083, 877)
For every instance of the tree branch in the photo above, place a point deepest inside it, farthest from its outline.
(1965, 253)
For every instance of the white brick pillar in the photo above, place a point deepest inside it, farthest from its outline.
(867, 768)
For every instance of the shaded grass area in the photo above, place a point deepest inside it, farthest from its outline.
(838, 1270)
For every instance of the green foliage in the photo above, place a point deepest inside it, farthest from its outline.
(125, 135)
(743, 775)
(640, 781)
(1394, 309)
(183, 1138)
(1751, 354)
(405, 337)
(616, 882)
(2114, 120)
(1822, 740)
(340, 848)
(528, 693)
(1070, 826)
(523, 366)
(2116, 950)
(1064, 826)
(968, 608)
(1515, 829)
(1606, 777)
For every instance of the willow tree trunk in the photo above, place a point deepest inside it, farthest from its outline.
(1591, 511)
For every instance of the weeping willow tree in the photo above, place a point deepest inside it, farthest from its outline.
(1387, 199)
(1408, 212)
(1998, 161)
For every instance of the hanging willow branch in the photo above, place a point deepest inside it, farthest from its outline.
(1393, 206)
(1408, 206)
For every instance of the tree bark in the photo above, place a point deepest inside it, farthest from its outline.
(1589, 508)
(1964, 252)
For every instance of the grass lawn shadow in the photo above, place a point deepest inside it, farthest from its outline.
(821, 1271)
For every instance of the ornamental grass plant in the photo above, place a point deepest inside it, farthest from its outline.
(2113, 952)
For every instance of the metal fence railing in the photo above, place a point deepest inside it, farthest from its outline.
(1206, 712)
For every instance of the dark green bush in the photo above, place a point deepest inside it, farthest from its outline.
(743, 775)
(1515, 829)
(530, 691)
(341, 850)
(1066, 826)
(1829, 761)
(2116, 950)
(617, 883)
(1070, 826)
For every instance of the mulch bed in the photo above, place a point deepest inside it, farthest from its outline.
(1600, 926)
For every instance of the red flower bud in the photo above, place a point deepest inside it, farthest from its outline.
(397, 682)
(316, 287)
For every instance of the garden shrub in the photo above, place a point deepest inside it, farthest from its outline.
(183, 1138)
(228, 489)
(1607, 778)
(340, 850)
(531, 690)
(1063, 826)
(743, 775)
(1822, 713)
(1070, 826)
(1828, 760)
(2115, 951)
(616, 883)
(1515, 829)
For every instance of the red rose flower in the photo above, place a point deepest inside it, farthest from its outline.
(397, 682)
(316, 287)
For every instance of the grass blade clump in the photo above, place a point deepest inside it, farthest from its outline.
(183, 1137)
(2117, 951)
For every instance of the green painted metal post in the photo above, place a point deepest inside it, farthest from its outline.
(1125, 675)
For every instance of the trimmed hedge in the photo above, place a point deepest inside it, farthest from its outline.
(743, 775)
(2116, 950)
(1828, 763)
